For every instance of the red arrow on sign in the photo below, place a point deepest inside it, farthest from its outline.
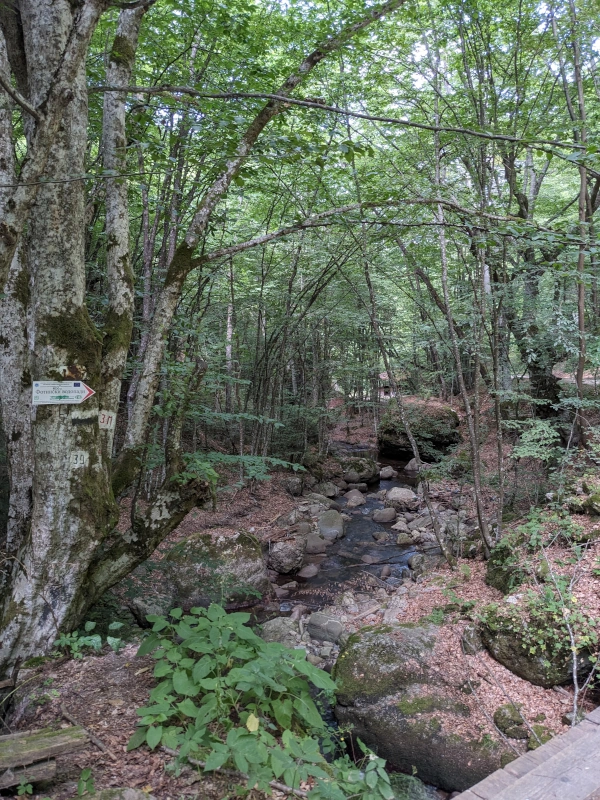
(89, 392)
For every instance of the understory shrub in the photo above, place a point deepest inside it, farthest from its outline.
(228, 699)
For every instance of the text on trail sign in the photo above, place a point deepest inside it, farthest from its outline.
(54, 392)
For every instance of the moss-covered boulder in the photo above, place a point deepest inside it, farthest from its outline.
(536, 651)
(359, 470)
(510, 721)
(434, 425)
(396, 701)
(199, 570)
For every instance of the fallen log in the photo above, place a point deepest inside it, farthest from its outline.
(29, 755)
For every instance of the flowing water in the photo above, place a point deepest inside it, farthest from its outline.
(352, 562)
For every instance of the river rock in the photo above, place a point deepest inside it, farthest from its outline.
(331, 525)
(387, 473)
(202, 569)
(355, 498)
(322, 500)
(401, 499)
(401, 526)
(287, 555)
(284, 630)
(315, 543)
(294, 485)
(398, 703)
(417, 563)
(362, 487)
(384, 515)
(327, 489)
(360, 470)
(309, 571)
(324, 627)
(403, 539)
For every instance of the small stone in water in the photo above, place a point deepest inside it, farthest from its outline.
(285, 607)
(386, 571)
(309, 571)
(369, 559)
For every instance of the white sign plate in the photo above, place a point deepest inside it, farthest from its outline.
(106, 420)
(80, 458)
(55, 392)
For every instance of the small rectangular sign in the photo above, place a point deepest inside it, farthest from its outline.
(46, 393)
(106, 420)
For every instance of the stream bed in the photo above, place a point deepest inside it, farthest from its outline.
(354, 560)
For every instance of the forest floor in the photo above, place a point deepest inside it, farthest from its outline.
(102, 692)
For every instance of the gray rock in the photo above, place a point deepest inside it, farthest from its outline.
(360, 470)
(202, 569)
(324, 627)
(315, 543)
(387, 473)
(470, 641)
(401, 499)
(509, 720)
(351, 476)
(331, 525)
(309, 571)
(287, 555)
(380, 536)
(417, 563)
(142, 607)
(327, 489)
(384, 515)
(324, 501)
(403, 539)
(391, 694)
(401, 526)
(505, 644)
(294, 485)
(362, 487)
(284, 630)
(354, 498)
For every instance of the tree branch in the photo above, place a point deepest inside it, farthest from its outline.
(292, 101)
(19, 99)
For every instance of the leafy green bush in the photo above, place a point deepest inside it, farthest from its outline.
(227, 698)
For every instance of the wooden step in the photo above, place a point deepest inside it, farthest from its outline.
(567, 766)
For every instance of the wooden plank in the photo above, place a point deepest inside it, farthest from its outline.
(594, 716)
(573, 773)
(468, 795)
(43, 771)
(522, 765)
(489, 787)
(18, 751)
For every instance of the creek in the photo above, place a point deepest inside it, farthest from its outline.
(354, 560)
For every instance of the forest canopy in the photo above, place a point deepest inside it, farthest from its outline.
(222, 216)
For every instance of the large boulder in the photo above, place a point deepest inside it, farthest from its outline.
(401, 499)
(360, 470)
(287, 555)
(396, 700)
(327, 489)
(434, 426)
(544, 662)
(331, 525)
(199, 570)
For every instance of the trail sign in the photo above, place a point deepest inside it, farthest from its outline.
(53, 393)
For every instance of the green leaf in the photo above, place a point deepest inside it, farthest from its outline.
(138, 738)
(182, 683)
(154, 735)
(216, 758)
